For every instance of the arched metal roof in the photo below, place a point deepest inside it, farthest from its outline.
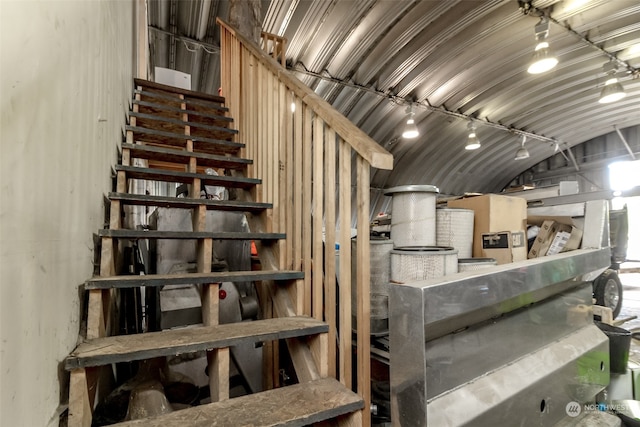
(455, 59)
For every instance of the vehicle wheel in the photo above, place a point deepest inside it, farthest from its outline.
(607, 291)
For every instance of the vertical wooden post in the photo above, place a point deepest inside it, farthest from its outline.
(307, 195)
(79, 406)
(363, 288)
(344, 281)
(318, 195)
(330, 243)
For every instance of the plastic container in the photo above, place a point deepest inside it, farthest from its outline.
(619, 343)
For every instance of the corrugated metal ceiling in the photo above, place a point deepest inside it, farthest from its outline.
(454, 58)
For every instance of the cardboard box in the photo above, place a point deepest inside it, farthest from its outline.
(503, 246)
(495, 213)
(556, 235)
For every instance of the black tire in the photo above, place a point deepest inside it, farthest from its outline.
(607, 290)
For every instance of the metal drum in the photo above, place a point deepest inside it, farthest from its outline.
(473, 264)
(413, 215)
(380, 271)
(420, 263)
(454, 227)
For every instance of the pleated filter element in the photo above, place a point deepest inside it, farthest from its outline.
(421, 263)
(454, 228)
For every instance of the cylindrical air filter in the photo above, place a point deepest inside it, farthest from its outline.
(413, 215)
(473, 264)
(454, 227)
(420, 263)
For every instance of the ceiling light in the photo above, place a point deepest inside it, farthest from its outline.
(612, 90)
(410, 128)
(543, 59)
(472, 142)
(522, 152)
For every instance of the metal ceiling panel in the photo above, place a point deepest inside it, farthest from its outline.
(457, 59)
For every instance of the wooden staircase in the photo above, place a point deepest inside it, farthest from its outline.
(175, 135)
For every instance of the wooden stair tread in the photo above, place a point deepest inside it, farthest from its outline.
(186, 177)
(177, 125)
(150, 152)
(125, 348)
(155, 107)
(291, 406)
(175, 101)
(133, 281)
(189, 94)
(208, 145)
(216, 235)
(188, 203)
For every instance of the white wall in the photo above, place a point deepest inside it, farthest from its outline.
(65, 82)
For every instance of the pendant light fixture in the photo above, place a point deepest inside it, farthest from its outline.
(543, 59)
(522, 152)
(612, 90)
(473, 142)
(410, 128)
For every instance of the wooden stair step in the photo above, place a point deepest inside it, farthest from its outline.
(152, 174)
(188, 203)
(177, 235)
(170, 155)
(126, 348)
(154, 121)
(189, 95)
(173, 101)
(291, 406)
(166, 110)
(132, 281)
(202, 144)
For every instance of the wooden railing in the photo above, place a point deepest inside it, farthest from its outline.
(307, 154)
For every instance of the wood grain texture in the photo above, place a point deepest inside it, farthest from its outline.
(188, 203)
(186, 279)
(344, 281)
(293, 406)
(150, 107)
(171, 155)
(178, 235)
(366, 147)
(175, 90)
(363, 286)
(184, 177)
(330, 247)
(79, 408)
(122, 348)
(219, 374)
(208, 145)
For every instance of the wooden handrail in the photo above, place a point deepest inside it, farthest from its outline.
(362, 143)
(307, 158)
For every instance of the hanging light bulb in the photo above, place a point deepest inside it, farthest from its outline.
(410, 128)
(543, 59)
(473, 142)
(522, 152)
(612, 90)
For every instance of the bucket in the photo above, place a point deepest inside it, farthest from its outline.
(454, 227)
(413, 215)
(473, 264)
(619, 343)
(421, 263)
(380, 269)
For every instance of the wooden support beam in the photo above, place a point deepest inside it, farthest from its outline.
(363, 288)
(80, 414)
(330, 244)
(344, 281)
(318, 214)
(219, 374)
